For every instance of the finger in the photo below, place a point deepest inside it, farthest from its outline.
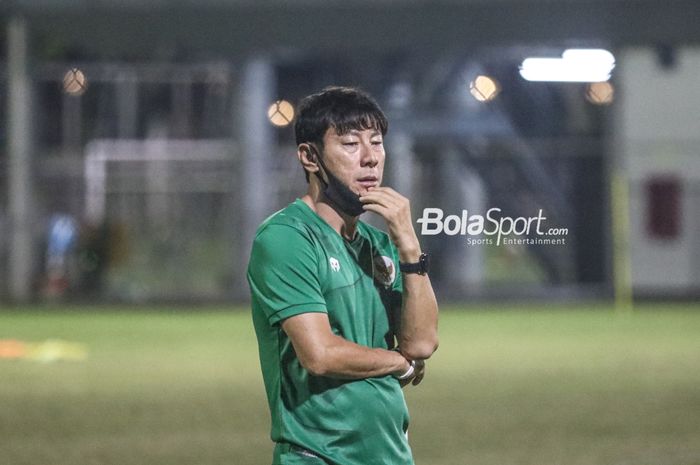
(384, 192)
(385, 189)
(399, 204)
(396, 208)
(376, 208)
(420, 372)
(380, 198)
(418, 378)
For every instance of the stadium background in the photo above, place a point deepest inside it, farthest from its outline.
(137, 157)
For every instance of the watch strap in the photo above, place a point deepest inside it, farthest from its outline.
(419, 267)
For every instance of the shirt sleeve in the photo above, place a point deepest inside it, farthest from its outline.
(283, 273)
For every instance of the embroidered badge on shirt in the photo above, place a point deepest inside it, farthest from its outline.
(384, 270)
(335, 264)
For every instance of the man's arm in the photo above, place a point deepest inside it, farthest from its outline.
(324, 353)
(418, 337)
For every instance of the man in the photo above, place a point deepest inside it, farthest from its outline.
(340, 328)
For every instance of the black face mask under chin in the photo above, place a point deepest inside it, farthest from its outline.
(344, 199)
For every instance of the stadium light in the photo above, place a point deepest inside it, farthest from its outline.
(600, 93)
(281, 113)
(575, 65)
(74, 82)
(484, 88)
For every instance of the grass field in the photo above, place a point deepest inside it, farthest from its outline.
(518, 386)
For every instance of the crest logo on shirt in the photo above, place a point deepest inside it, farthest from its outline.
(384, 270)
(335, 264)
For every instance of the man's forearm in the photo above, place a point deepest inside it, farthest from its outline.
(343, 359)
(324, 353)
(418, 336)
(418, 331)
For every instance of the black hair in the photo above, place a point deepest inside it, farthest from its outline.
(340, 108)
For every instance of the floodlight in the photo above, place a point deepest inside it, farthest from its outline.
(575, 65)
(484, 88)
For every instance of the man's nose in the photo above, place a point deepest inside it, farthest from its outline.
(369, 156)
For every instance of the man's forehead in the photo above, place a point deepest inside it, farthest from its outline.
(333, 132)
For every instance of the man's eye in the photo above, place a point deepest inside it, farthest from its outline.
(350, 144)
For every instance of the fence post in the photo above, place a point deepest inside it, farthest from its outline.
(21, 211)
(257, 88)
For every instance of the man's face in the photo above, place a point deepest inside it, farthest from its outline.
(355, 158)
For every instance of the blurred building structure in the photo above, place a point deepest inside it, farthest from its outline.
(164, 153)
(659, 143)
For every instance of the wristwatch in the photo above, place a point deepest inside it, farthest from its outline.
(421, 267)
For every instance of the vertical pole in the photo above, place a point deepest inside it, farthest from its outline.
(126, 84)
(72, 122)
(255, 149)
(621, 256)
(19, 155)
(401, 160)
(622, 266)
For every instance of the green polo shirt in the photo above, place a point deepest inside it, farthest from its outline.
(299, 264)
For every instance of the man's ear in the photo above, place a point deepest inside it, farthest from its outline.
(307, 158)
